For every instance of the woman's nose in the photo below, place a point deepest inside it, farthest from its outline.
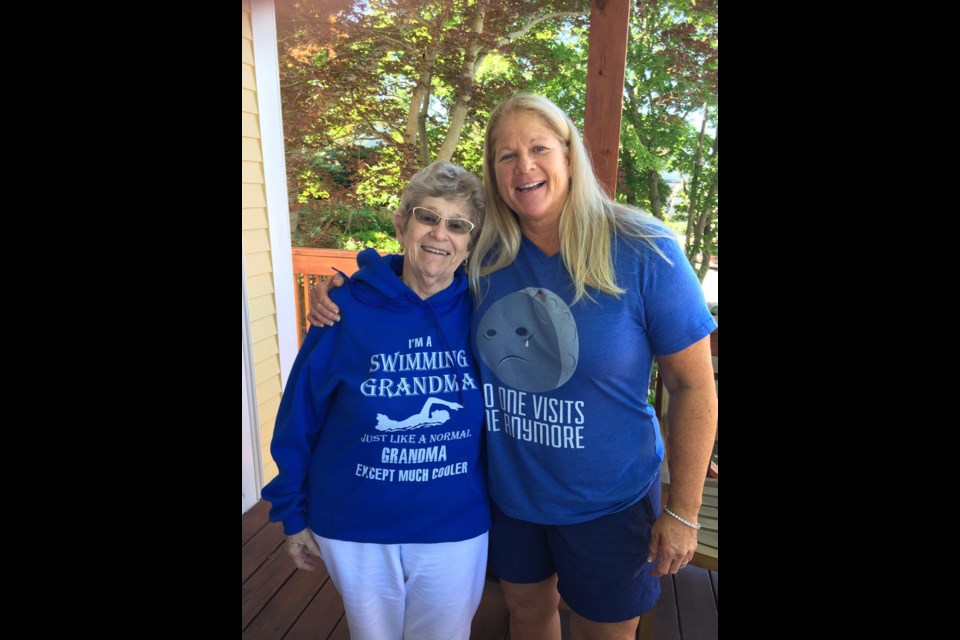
(439, 230)
(524, 163)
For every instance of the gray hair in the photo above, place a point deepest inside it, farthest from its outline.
(443, 179)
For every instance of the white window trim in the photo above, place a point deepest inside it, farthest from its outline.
(264, 23)
(252, 462)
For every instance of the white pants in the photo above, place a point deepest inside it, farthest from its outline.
(408, 591)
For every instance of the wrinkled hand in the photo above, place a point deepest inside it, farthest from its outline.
(672, 545)
(323, 312)
(304, 550)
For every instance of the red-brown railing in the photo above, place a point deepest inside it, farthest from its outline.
(310, 266)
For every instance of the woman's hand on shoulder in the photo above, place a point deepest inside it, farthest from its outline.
(323, 311)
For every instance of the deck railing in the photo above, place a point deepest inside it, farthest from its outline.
(311, 266)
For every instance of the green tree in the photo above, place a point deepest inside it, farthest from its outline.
(672, 66)
(404, 77)
(375, 89)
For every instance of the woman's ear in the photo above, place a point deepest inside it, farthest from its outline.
(397, 219)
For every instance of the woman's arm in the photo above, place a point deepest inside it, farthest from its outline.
(323, 311)
(692, 418)
(300, 418)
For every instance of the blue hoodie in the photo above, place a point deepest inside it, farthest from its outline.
(378, 435)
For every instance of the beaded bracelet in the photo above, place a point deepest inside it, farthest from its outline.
(683, 520)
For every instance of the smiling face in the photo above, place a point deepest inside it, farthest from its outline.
(432, 254)
(532, 168)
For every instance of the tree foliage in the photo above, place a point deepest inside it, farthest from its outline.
(406, 79)
(373, 90)
(671, 79)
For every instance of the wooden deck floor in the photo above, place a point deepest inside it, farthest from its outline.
(280, 602)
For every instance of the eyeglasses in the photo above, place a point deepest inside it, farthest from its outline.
(432, 219)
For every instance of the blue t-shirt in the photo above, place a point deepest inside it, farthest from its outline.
(570, 434)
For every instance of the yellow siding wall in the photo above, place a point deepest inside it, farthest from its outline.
(256, 251)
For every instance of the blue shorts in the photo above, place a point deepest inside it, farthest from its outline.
(601, 565)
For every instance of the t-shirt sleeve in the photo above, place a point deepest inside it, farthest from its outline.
(675, 311)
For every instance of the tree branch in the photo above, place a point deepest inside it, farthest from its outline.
(406, 46)
(380, 134)
(535, 19)
(418, 18)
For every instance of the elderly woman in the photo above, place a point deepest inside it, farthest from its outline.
(377, 438)
(575, 297)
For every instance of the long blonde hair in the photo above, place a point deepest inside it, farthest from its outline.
(588, 222)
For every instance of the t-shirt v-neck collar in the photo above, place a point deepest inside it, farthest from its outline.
(537, 253)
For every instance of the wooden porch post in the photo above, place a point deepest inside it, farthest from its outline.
(609, 22)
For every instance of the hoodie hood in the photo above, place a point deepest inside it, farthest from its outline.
(377, 283)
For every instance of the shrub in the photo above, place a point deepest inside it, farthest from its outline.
(327, 225)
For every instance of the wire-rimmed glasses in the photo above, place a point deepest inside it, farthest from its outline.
(432, 219)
